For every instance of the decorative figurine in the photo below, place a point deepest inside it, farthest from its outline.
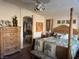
(15, 21)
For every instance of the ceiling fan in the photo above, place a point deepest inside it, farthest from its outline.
(39, 5)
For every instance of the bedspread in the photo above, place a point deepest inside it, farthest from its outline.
(64, 43)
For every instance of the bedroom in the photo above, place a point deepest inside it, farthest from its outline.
(56, 11)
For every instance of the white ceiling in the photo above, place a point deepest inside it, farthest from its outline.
(55, 8)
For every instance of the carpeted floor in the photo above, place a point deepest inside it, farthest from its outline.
(24, 54)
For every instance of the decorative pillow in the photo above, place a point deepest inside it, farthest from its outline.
(65, 36)
(51, 39)
(75, 37)
(39, 44)
(50, 49)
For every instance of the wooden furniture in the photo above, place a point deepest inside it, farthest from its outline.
(68, 30)
(61, 52)
(9, 40)
(70, 34)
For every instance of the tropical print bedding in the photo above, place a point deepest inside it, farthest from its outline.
(74, 44)
(62, 41)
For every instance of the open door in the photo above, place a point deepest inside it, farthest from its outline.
(27, 30)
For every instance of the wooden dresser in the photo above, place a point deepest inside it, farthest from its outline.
(9, 40)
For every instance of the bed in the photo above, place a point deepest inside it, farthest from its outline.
(58, 46)
(63, 43)
(63, 30)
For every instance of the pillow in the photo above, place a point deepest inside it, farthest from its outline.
(60, 35)
(39, 44)
(51, 39)
(65, 36)
(75, 37)
(49, 49)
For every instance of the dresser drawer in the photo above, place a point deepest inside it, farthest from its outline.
(9, 29)
(9, 42)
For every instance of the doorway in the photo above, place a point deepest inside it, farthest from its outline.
(27, 30)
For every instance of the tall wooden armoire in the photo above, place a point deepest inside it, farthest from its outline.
(9, 40)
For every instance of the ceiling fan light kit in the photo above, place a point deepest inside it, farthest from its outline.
(39, 5)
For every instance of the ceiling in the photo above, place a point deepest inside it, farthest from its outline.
(55, 8)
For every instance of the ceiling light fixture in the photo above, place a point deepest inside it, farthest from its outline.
(40, 5)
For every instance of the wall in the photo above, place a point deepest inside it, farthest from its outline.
(65, 18)
(7, 11)
(39, 19)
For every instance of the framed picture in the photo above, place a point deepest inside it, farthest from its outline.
(67, 21)
(47, 25)
(74, 21)
(63, 21)
(58, 22)
(39, 27)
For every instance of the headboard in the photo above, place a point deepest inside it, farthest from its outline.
(64, 29)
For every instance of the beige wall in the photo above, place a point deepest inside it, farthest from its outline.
(7, 11)
(76, 26)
